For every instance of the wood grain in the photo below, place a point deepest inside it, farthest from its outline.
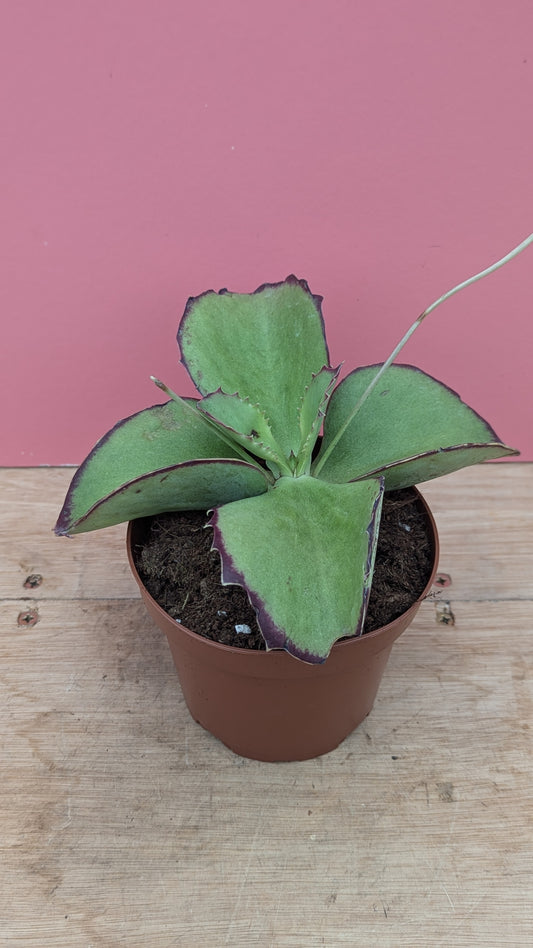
(124, 823)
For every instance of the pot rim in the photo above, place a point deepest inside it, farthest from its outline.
(260, 653)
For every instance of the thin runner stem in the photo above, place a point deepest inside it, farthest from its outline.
(446, 296)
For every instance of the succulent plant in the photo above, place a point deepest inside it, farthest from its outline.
(295, 526)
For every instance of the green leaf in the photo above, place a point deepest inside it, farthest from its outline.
(161, 459)
(304, 551)
(264, 346)
(312, 411)
(410, 429)
(246, 424)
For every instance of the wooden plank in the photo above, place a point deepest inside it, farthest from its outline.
(87, 566)
(114, 799)
(124, 823)
(485, 519)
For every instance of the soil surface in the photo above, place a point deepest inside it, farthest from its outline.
(183, 575)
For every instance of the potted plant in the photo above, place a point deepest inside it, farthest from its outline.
(293, 466)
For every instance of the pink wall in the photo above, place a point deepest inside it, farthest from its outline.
(152, 149)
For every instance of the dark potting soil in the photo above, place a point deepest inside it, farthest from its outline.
(183, 575)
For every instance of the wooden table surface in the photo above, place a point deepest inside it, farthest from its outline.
(124, 823)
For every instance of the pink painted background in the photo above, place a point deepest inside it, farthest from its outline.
(152, 149)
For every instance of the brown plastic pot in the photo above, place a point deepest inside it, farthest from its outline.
(268, 705)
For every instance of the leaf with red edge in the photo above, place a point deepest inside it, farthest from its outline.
(304, 552)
